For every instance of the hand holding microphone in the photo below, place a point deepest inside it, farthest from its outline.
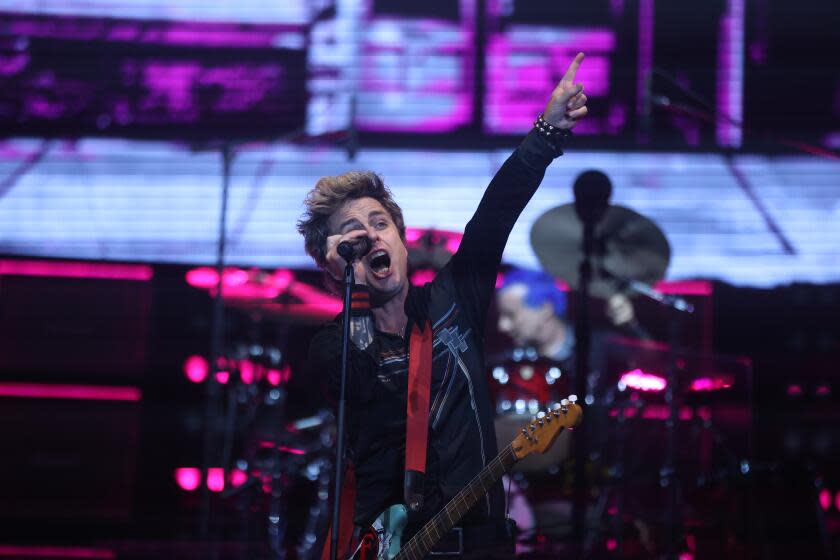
(350, 251)
(348, 247)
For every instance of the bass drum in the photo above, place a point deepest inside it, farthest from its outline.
(523, 385)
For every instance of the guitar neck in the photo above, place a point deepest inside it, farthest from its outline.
(440, 524)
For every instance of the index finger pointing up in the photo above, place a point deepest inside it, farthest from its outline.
(569, 76)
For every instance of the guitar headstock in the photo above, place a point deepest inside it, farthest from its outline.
(540, 434)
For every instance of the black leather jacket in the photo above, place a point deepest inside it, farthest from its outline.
(461, 435)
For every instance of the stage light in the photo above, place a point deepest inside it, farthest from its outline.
(196, 368)
(215, 479)
(55, 552)
(203, 277)
(73, 392)
(825, 499)
(246, 371)
(422, 276)
(188, 478)
(238, 477)
(73, 269)
(642, 381)
(292, 450)
(711, 383)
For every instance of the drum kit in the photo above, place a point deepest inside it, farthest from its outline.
(630, 400)
(659, 421)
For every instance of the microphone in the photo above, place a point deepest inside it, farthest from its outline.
(592, 195)
(670, 300)
(661, 100)
(350, 251)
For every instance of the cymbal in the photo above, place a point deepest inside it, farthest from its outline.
(274, 294)
(627, 245)
(431, 248)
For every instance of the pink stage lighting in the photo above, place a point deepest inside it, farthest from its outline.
(188, 478)
(642, 381)
(685, 287)
(794, 390)
(238, 477)
(246, 371)
(53, 552)
(422, 276)
(825, 498)
(711, 383)
(73, 392)
(413, 234)
(242, 284)
(292, 450)
(203, 277)
(216, 479)
(276, 377)
(196, 368)
(73, 269)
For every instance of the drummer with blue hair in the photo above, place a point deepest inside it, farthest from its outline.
(532, 312)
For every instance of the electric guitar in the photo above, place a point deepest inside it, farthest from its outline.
(382, 540)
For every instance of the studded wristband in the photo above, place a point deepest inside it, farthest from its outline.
(552, 133)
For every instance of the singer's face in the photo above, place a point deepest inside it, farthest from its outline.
(385, 268)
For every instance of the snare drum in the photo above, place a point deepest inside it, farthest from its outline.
(522, 385)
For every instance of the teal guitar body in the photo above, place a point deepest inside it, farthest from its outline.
(382, 540)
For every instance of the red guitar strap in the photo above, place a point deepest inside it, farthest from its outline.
(345, 517)
(417, 414)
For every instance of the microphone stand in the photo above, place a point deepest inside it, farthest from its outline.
(349, 280)
(668, 473)
(583, 343)
(668, 300)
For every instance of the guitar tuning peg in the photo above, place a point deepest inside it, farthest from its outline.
(564, 403)
(540, 414)
(573, 399)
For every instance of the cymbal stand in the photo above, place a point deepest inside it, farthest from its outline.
(591, 203)
(668, 473)
(212, 403)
